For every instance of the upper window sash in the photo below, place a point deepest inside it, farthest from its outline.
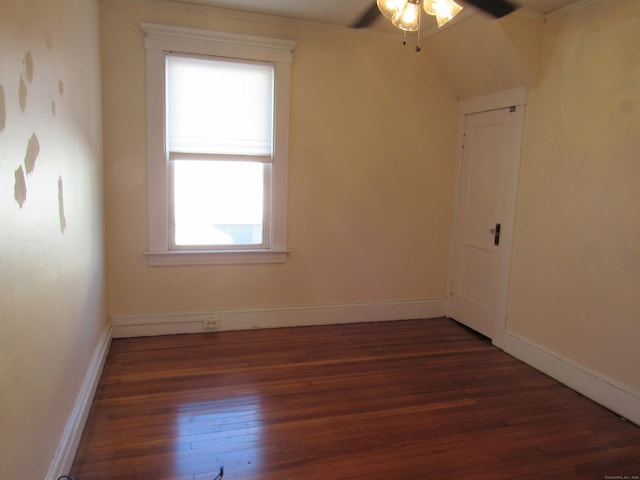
(219, 105)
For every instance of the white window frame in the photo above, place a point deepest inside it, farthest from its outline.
(160, 39)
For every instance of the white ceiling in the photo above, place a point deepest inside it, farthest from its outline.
(340, 12)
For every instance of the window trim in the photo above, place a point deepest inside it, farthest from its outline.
(160, 39)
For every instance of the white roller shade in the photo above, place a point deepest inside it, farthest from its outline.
(219, 107)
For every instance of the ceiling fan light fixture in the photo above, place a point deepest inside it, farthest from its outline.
(405, 14)
(390, 7)
(408, 18)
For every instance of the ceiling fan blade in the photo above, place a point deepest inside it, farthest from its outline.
(367, 17)
(495, 8)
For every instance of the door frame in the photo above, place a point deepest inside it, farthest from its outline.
(495, 101)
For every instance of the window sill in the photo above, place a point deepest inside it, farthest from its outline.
(215, 257)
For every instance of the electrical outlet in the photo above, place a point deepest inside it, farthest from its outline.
(210, 323)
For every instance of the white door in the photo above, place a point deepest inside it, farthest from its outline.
(488, 176)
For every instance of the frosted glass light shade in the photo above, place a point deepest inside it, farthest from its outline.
(446, 10)
(390, 7)
(409, 17)
(443, 10)
(428, 7)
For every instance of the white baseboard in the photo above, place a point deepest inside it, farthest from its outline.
(601, 390)
(63, 458)
(275, 317)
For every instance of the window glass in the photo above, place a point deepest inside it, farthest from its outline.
(218, 202)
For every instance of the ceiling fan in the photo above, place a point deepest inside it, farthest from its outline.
(495, 8)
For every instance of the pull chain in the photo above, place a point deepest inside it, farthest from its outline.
(418, 47)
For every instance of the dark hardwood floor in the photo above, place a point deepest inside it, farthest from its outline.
(419, 399)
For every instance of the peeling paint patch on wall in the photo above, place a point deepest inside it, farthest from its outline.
(20, 188)
(27, 76)
(53, 102)
(29, 67)
(33, 149)
(22, 94)
(63, 220)
(3, 110)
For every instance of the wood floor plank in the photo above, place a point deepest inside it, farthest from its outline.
(390, 400)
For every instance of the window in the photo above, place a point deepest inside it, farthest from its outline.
(217, 141)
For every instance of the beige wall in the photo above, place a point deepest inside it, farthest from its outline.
(372, 154)
(51, 227)
(575, 286)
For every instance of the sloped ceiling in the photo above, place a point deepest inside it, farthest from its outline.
(479, 56)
